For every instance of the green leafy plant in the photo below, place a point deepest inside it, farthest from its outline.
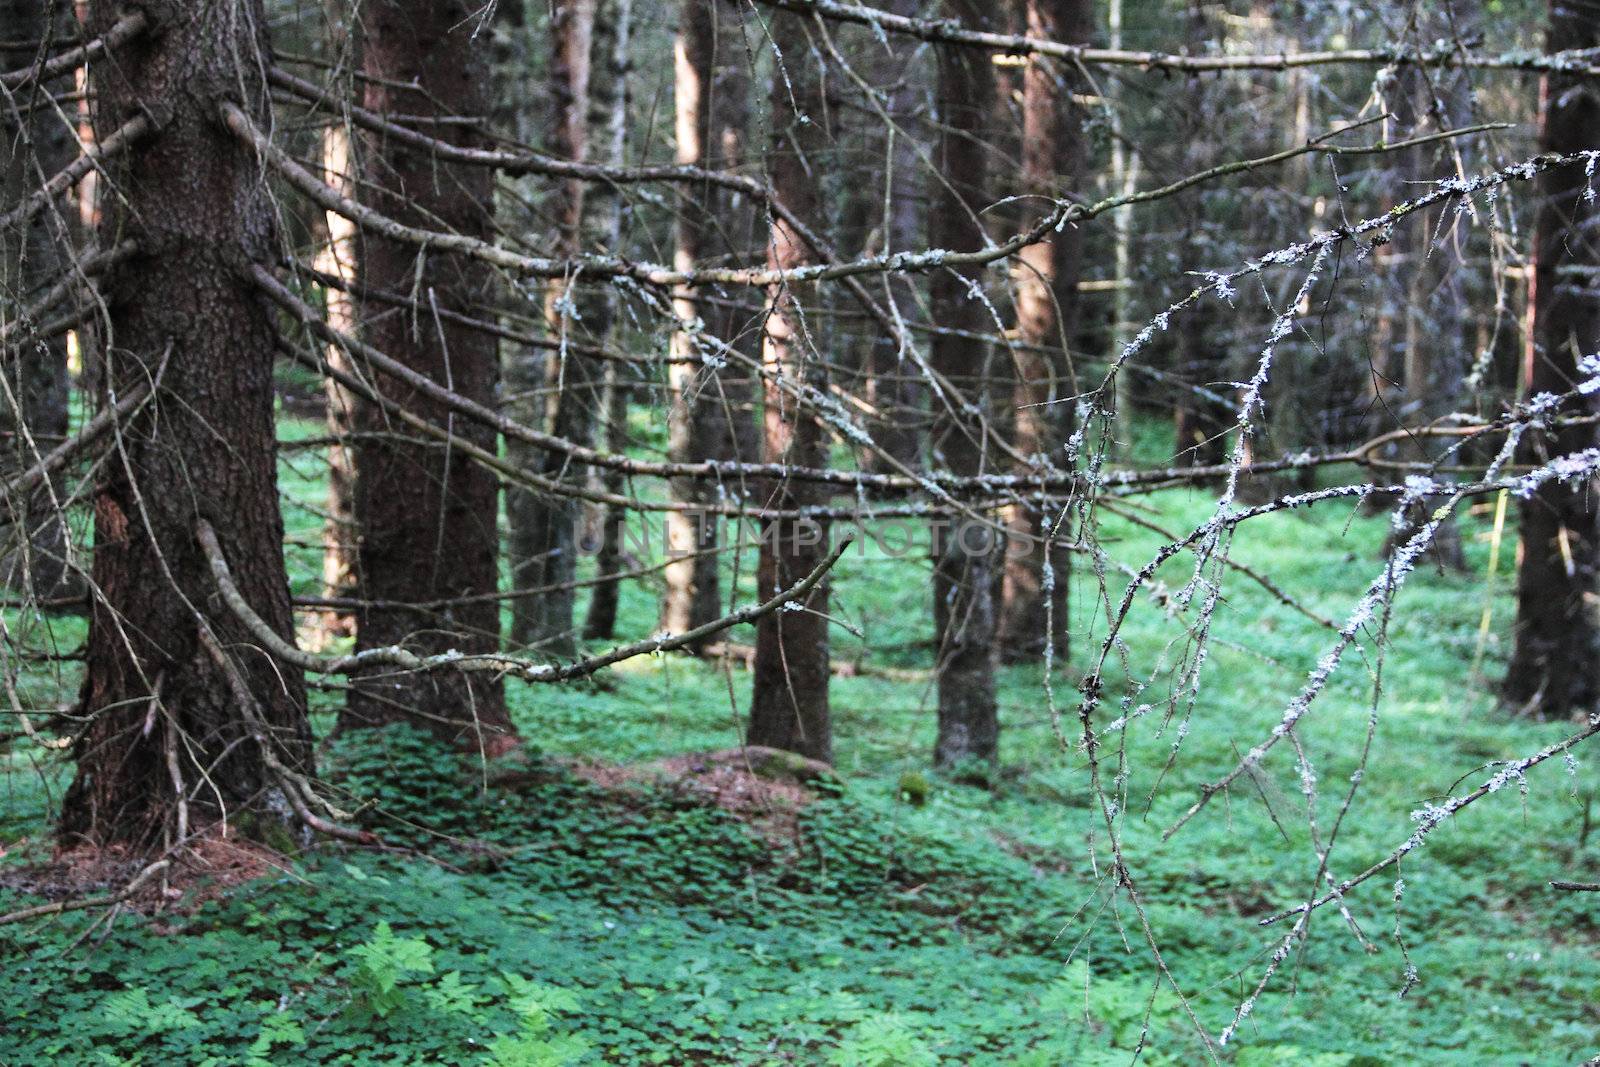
(535, 1044)
(383, 961)
(883, 1040)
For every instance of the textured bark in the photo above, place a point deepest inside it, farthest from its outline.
(35, 143)
(427, 514)
(1553, 666)
(789, 698)
(707, 419)
(169, 737)
(967, 553)
(543, 540)
(1033, 608)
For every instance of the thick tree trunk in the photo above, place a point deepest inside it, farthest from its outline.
(427, 514)
(967, 553)
(172, 744)
(37, 144)
(707, 419)
(1554, 665)
(1034, 599)
(789, 699)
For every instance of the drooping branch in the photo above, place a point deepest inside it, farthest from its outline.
(601, 267)
(510, 666)
(945, 31)
(114, 145)
(124, 29)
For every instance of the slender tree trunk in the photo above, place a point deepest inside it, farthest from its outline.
(1124, 180)
(543, 542)
(180, 727)
(1201, 414)
(704, 421)
(601, 621)
(967, 553)
(337, 258)
(33, 400)
(1553, 666)
(1034, 599)
(893, 388)
(427, 514)
(602, 231)
(789, 700)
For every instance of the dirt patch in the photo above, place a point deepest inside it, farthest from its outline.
(207, 867)
(764, 788)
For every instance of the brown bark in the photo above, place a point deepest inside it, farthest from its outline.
(789, 698)
(427, 514)
(967, 553)
(169, 740)
(707, 418)
(1033, 608)
(33, 403)
(544, 529)
(1553, 666)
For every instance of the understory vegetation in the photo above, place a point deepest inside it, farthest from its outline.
(555, 910)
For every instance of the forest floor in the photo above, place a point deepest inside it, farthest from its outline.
(563, 909)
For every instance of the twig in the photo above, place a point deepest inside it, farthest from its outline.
(60, 906)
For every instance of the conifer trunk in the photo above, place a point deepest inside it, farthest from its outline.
(789, 701)
(171, 745)
(427, 513)
(1553, 667)
(968, 551)
(1034, 598)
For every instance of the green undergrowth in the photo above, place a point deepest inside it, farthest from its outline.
(535, 918)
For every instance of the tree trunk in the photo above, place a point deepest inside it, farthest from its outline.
(33, 401)
(427, 514)
(337, 257)
(172, 744)
(1553, 666)
(544, 543)
(602, 231)
(967, 554)
(1429, 302)
(1033, 608)
(707, 417)
(789, 700)
(894, 388)
(1201, 414)
(601, 621)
